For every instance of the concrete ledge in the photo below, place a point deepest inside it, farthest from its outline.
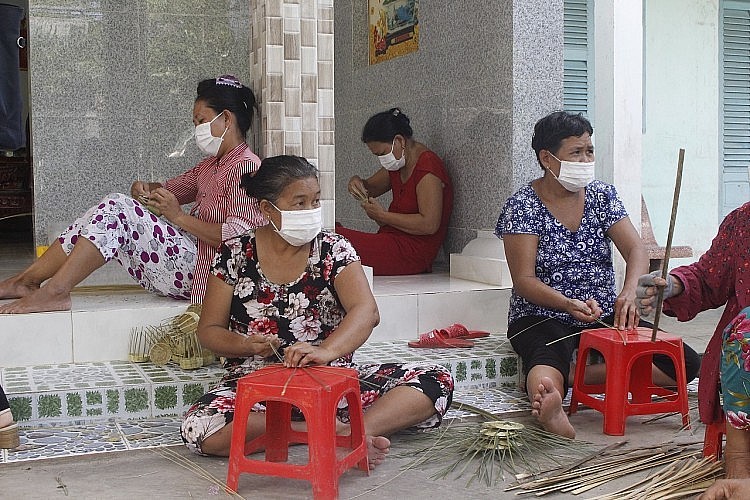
(98, 326)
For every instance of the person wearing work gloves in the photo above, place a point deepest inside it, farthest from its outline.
(721, 277)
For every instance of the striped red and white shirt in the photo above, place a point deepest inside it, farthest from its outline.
(214, 186)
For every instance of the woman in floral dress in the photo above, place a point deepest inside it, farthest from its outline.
(720, 278)
(289, 292)
(735, 389)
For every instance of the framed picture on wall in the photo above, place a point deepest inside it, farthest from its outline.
(393, 28)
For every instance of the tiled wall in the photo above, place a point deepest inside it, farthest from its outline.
(292, 68)
(113, 84)
(483, 74)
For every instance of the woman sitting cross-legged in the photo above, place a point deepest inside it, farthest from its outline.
(290, 288)
(169, 254)
(558, 232)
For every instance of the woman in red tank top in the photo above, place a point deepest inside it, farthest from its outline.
(414, 226)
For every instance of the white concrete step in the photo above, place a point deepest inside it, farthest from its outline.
(98, 326)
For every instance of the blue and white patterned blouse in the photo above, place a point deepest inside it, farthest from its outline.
(579, 264)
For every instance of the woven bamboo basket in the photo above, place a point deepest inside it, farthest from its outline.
(140, 343)
(186, 350)
(160, 353)
(186, 322)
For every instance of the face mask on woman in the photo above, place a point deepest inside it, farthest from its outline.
(299, 226)
(574, 175)
(205, 141)
(389, 161)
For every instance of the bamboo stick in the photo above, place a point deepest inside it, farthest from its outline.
(668, 247)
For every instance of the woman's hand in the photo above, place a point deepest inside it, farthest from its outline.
(626, 312)
(647, 291)
(725, 489)
(357, 188)
(261, 345)
(166, 202)
(304, 354)
(587, 312)
(138, 189)
(374, 210)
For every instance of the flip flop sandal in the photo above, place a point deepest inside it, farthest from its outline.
(439, 339)
(459, 331)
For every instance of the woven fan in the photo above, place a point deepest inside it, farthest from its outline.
(494, 448)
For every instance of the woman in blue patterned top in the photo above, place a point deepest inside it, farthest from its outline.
(557, 232)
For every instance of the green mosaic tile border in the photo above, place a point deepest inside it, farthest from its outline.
(176, 399)
(491, 362)
(120, 389)
(141, 392)
(92, 404)
(484, 372)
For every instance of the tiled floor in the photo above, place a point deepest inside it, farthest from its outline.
(88, 408)
(73, 409)
(39, 442)
(47, 441)
(82, 438)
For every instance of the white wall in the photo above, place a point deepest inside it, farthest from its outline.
(681, 110)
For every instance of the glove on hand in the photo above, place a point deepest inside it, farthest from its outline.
(645, 301)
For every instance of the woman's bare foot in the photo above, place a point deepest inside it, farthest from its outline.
(42, 300)
(377, 448)
(16, 287)
(547, 408)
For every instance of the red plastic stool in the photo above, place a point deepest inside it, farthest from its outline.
(628, 356)
(713, 437)
(316, 391)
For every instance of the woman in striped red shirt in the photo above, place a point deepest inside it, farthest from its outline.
(168, 251)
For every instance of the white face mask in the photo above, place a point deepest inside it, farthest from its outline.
(205, 140)
(574, 175)
(299, 226)
(389, 161)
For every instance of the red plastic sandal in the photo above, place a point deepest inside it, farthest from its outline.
(439, 339)
(459, 331)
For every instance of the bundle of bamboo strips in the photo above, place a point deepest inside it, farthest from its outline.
(685, 472)
(682, 479)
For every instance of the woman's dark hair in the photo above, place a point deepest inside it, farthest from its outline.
(550, 131)
(226, 92)
(384, 126)
(275, 174)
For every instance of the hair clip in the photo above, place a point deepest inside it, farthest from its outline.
(395, 111)
(230, 80)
